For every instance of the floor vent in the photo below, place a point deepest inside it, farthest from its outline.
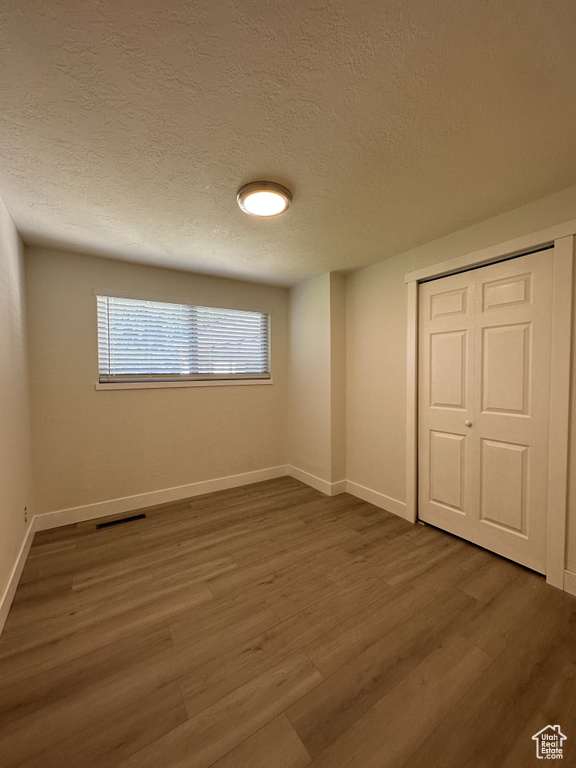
(119, 522)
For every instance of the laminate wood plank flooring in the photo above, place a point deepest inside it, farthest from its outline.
(270, 626)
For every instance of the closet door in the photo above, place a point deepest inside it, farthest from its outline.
(484, 402)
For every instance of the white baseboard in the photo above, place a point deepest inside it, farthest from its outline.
(151, 499)
(570, 582)
(378, 499)
(10, 590)
(330, 489)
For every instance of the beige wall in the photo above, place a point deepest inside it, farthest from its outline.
(15, 464)
(376, 348)
(571, 534)
(376, 378)
(91, 446)
(309, 432)
(317, 422)
(338, 375)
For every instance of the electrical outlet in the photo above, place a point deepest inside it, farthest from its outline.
(25, 514)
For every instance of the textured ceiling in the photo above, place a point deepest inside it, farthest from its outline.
(127, 127)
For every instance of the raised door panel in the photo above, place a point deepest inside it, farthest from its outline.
(507, 292)
(447, 470)
(504, 485)
(448, 358)
(448, 303)
(505, 363)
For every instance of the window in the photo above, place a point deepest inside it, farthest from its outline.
(147, 341)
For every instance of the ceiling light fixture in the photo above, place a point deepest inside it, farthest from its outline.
(264, 198)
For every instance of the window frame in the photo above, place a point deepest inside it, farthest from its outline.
(168, 381)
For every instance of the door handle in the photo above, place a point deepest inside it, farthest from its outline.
(468, 423)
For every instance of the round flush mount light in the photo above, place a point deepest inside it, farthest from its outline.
(264, 198)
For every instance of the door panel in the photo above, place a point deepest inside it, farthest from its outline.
(484, 400)
(448, 369)
(449, 303)
(507, 292)
(506, 368)
(447, 461)
(503, 485)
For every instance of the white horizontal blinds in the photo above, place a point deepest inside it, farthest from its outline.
(153, 340)
(229, 341)
(142, 337)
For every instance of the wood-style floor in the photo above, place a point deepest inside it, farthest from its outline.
(273, 627)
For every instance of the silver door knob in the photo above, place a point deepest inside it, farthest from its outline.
(468, 423)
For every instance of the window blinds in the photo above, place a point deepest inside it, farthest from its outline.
(155, 341)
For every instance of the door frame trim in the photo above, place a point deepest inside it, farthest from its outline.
(562, 238)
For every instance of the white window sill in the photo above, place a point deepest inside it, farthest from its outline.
(172, 384)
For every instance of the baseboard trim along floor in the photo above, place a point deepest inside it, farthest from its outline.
(153, 498)
(14, 579)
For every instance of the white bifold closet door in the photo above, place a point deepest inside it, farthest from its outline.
(484, 403)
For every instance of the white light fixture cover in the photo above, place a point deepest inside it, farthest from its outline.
(264, 198)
